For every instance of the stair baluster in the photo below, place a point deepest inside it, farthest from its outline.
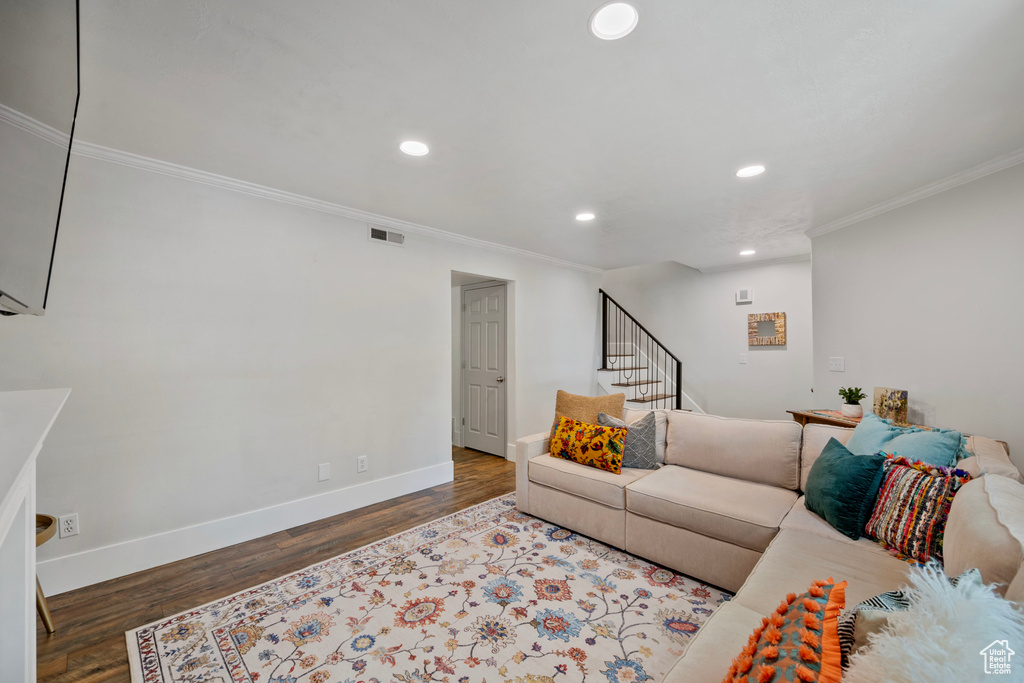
(649, 374)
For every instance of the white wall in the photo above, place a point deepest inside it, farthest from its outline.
(696, 316)
(927, 298)
(219, 346)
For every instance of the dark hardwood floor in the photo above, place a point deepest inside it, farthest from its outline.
(89, 644)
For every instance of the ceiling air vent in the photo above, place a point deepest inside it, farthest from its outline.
(379, 234)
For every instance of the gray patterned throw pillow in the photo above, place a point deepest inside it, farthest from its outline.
(639, 449)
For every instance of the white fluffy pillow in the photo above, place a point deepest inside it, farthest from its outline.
(941, 636)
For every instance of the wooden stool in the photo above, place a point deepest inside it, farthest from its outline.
(46, 527)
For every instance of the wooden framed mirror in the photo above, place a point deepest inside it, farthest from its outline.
(766, 329)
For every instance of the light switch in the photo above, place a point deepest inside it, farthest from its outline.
(743, 359)
(837, 364)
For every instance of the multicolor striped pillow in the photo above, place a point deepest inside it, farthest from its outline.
(913, 502)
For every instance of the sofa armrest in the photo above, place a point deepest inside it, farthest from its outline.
(526, 448)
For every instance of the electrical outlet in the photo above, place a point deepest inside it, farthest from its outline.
(323, 471)
(837, 364)
(68, 525)
(361, 463)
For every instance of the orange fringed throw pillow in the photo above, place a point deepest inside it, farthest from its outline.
(798, 642)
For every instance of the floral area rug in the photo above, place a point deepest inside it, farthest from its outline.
(486, 594)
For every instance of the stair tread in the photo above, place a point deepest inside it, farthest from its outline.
(620, 355)
(650, 399)
(623, 369)
(636, 383)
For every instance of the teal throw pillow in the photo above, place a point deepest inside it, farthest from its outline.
(842, 487)
(935, 447)
(870, 436)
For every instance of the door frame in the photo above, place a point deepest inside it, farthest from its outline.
(509, 374)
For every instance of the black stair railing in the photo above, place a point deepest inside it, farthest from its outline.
(648, 373)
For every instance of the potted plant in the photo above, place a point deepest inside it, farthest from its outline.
(852, 398)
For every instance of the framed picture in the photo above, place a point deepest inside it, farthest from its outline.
(891, 404)
(766, 329)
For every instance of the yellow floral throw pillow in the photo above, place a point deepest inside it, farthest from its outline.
(587, 444)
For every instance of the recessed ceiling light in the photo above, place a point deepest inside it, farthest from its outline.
(413, 148)
(747, 252)
(613, 21)
(750, 171)
(584, 216)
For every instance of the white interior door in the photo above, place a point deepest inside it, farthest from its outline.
(483, 362)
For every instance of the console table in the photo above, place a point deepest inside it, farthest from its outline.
(25, 420)
(805, 417)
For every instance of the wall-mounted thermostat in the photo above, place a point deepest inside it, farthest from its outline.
(745, 296)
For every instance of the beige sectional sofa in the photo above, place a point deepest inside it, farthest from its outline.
(727, 509)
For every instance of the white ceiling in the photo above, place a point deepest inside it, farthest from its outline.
(530, 119)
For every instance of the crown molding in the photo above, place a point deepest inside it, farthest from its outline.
(952, 181)
(796, 258)
(33, 127)
(116, 156)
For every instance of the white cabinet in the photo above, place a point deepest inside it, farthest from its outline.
(25, 420)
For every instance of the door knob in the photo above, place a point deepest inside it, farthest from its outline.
(501, 379)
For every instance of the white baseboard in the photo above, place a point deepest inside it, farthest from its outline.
(62, 574)
(510, 452)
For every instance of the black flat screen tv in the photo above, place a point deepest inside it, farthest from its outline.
(39, 89)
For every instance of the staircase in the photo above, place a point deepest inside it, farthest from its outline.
(635, 363)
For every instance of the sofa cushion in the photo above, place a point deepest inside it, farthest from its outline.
(815, 438)
(912, 506)
(586, 482)
(985, 530)
(802, 519)
(987, 456)
(708, 655)
(660, 426)
(719, 563)
(589, 444)
(641, 436)
(861, 622)
(842, 488)
(763, 451)
(943, 634)
(740, 512)
(933, 446)
(801, 636)
(586, 408)
(795, 559)
(570, 511)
